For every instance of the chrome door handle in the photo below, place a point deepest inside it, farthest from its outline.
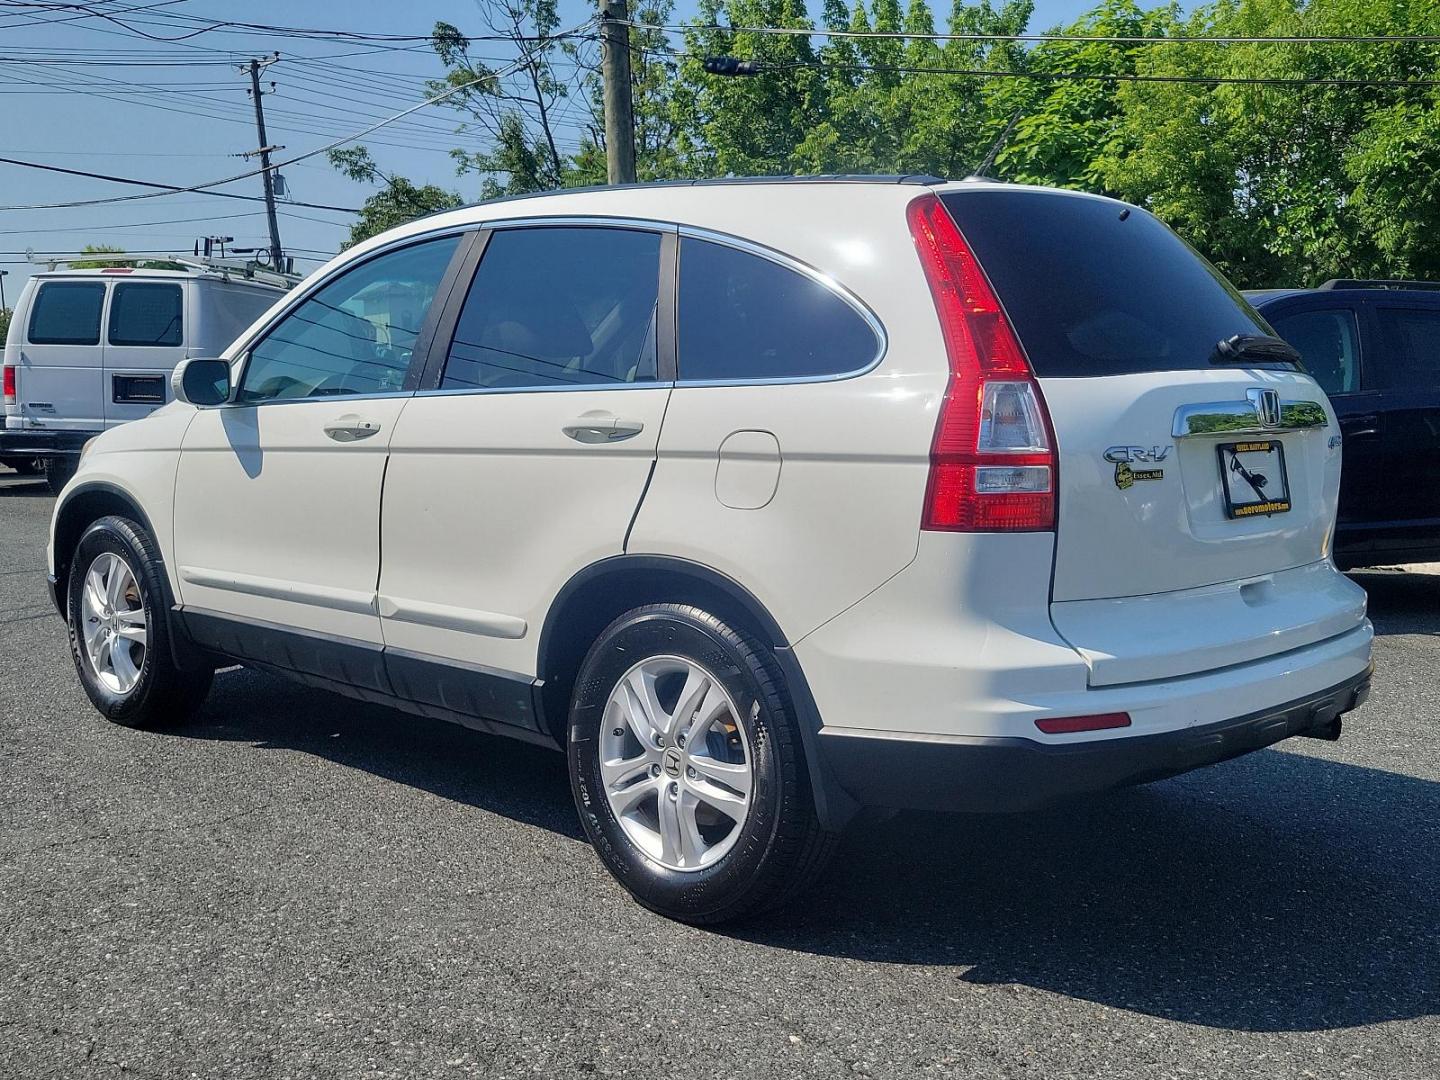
(602, 429)
(351, 428)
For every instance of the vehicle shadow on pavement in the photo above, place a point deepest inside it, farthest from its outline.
(1401, 602)
(15, 487)
(526, 783)
(1276, 892)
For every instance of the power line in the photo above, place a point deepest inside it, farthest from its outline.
(1116, 39)
(498, 74)
(169, 188)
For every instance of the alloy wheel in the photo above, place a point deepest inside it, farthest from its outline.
(113, 623)
(676, 766)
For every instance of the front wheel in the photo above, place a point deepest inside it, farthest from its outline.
(119, 633)
(688, 770)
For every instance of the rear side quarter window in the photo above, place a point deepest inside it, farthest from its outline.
(1411, 354)
(1329, 345)
(746, 317)
(146, 313)
(66, 313)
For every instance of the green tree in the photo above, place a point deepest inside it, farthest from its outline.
(397, 201)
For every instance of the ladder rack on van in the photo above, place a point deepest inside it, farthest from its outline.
(251, 271)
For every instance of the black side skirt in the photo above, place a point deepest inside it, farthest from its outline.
(486, 699)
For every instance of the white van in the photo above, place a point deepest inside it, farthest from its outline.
(66, 381)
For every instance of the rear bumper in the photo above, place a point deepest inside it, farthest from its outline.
(42, 442)
(1003, 774)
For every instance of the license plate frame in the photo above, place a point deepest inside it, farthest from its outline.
(1259, 459)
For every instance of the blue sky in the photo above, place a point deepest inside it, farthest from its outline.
(185, 124)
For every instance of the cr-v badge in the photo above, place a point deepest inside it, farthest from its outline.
(1125, 457)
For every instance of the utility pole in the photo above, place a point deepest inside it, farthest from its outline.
(619, 108)
(277, 254)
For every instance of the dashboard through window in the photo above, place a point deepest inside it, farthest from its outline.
(356, 335)
(555, 306)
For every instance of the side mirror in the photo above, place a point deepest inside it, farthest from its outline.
(201, 382)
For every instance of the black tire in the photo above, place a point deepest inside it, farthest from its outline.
(164, 694)
(780, 847)
(58, 472)
(22, 466)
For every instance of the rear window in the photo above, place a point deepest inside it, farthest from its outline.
(67, 313)
(144, 313)
(1097, 288)
(1412, 358)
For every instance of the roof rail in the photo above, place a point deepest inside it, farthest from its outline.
(225, 268)
(1379, 283)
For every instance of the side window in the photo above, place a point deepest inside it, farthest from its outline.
(1411, 356)
(146, 313)
(67, 313)
(356, 335)
(1328, 342)
(558, 306)
(743, 316)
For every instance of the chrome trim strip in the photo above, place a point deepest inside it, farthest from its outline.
(1241, 418)
(352, 600)
(573, 388)
(447, 617)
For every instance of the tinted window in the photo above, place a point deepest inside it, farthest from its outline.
(1328, 343)
(357, 335)
(67, 313)
(1412, 348)
(1096, 288)
(743, 316)
(557, 306)
(145, 313)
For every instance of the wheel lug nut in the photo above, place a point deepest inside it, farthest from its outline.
(618, 732)
(674, 789)
(680, 740)
(690, 771)
(654, 770)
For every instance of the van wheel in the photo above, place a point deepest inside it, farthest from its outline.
(116, 609)
(58, 472)
(687, 767)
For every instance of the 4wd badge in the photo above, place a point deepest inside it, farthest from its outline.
(1125, 476)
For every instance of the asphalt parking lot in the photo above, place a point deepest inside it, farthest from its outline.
(296, 885)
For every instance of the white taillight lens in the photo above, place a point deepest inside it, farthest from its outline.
(1010, 420)
(1012, 479)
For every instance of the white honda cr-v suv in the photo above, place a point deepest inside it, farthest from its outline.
(763, 500)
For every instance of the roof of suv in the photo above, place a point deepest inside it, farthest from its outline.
(1349, 293)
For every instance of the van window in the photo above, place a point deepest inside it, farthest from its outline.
(1094, 287)
(559, 306)
(356, 335)
(743, 316)
(67, 313)
(145, 313)
(1328, 343)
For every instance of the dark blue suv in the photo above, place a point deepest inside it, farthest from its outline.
(1374, 346)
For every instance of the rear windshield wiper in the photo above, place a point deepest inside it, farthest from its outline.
(1253, 349)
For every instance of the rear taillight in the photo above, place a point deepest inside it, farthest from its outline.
(992, 462)
(9, 388)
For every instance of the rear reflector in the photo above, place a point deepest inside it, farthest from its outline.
(1069, 725)
(992, 461)
(9, 388)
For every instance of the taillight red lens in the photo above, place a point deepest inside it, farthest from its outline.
(9, 388)
(992, 461)
(1069, 725)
